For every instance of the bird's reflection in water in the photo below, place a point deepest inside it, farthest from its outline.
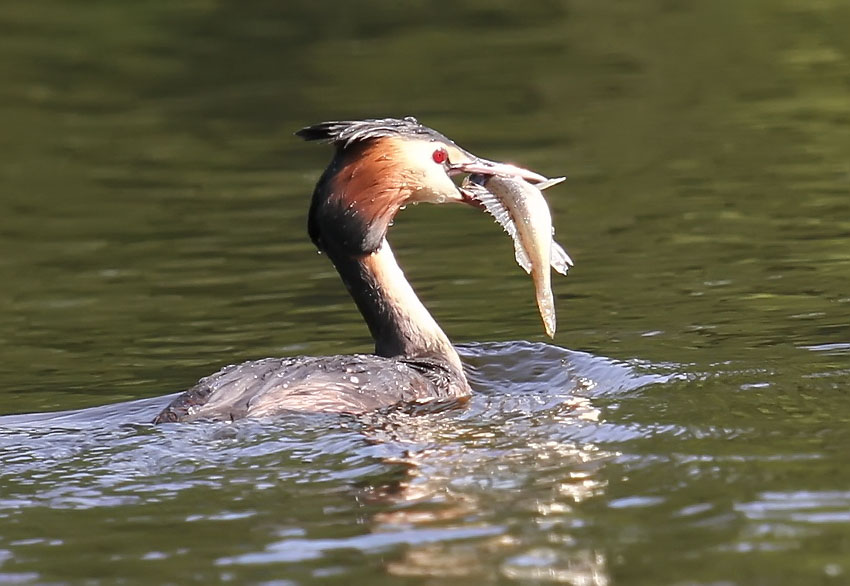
(464, 473)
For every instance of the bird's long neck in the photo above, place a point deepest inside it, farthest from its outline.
(397, 319)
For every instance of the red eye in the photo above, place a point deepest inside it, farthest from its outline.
(440, 156)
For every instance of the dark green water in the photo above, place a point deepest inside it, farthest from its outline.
(690, 425)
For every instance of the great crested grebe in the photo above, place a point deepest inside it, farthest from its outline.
(378, 167)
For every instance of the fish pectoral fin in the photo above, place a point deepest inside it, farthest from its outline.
(521, 257)
(503, 217)
(559, 259)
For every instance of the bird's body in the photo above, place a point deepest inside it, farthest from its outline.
(415, 361)
(379, 166)
(352, 383)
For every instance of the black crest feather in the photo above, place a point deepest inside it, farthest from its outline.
(345, 132)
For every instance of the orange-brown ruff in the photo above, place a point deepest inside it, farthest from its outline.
(378, 167)
(372, 181)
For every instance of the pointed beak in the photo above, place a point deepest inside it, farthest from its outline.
(475, 165)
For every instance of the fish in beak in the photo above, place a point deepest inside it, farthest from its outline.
(520, 208)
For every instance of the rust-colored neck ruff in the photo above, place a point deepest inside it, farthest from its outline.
(358, 195)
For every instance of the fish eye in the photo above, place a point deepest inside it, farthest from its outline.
(440, 156)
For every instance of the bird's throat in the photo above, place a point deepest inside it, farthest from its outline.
(400, 324)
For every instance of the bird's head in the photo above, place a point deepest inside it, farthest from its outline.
(378, 167)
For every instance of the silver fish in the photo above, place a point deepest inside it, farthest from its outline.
(520, 208)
